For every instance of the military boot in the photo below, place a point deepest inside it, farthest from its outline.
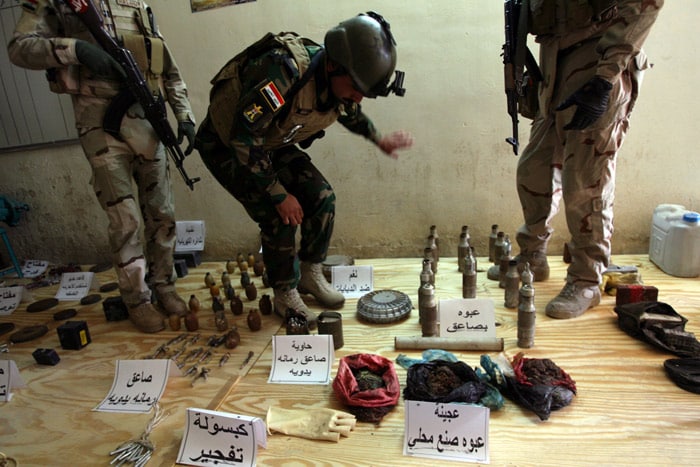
(314, 282)
(291, 299)
(171, 303)
(146, 318)
(573, 301)
(538, 264)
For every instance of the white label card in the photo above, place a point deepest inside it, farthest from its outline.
(190, 235)
(76, 285)
(467, 317)
(10, 298)
(137, 386)
(302, 359)
(352, 281)
(220, 438)
(34, 268)
(447, 431)
(9, 379)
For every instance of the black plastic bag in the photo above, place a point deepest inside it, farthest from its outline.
(538, 384)
(443, 381)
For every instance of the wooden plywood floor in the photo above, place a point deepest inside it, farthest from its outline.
(626, 412)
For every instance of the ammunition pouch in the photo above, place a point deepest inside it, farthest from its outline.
(148, 52)
(528, 98)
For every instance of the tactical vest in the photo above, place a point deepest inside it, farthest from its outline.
(130, 23)
(562, 16)
(137, 30)
(293, 117)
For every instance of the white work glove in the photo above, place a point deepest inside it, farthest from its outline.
(324, 424)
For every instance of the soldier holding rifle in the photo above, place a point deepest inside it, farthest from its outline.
(591, 63)
(68, 38)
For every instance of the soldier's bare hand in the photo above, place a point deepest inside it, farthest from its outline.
(391, 143)
(290, 211)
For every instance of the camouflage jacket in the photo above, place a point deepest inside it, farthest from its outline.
(45, 37)
(251, 114)
(606, 42)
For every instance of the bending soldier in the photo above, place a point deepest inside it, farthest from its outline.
(270, 102)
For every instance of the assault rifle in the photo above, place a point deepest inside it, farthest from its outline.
(136, 91)
(516, 58)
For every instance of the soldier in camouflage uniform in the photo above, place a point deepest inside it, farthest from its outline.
(50, 36)
(270, 102)
(592, 62)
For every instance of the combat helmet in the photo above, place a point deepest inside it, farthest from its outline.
(365, 48)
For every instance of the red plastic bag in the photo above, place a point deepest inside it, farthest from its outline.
(368, 385)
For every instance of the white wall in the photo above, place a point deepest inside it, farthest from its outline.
(460, 170)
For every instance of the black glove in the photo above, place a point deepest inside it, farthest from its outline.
(660, 325)
(98, 61)
(186, 130)
(591, 101)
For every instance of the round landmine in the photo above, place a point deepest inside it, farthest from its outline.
(384, 306)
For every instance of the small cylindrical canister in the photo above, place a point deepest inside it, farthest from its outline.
(512, 285)
(331, 322)
(526, 314)
(469, 276)
(427, 311)
(296, 322)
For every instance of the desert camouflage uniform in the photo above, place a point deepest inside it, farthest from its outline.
(45, 38)
(259, 166)
(579, 166)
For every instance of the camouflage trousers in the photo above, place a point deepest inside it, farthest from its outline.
(577, 167)
(584, 179)
(138, 262)
(301, 178)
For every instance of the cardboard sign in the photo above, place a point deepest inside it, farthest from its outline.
(467, 317)
(220, 438)
(302, 359)
(76, 285)
(10, 298)
(190, 235)
(9, 379)
(447, 431)
(352, 281)
(137, 386)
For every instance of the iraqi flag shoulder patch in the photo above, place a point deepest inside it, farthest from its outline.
(272, 96)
